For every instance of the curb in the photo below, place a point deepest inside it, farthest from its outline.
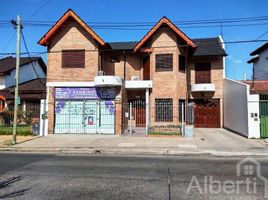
(129, 151)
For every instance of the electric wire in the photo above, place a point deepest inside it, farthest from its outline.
(30, 58)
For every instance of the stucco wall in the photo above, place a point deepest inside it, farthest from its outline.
(2, 82)
(238, 105)
(27, 73)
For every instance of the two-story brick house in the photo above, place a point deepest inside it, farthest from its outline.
(91, 83)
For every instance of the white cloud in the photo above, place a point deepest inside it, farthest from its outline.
(234, 60)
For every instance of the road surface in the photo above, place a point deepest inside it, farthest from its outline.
(40, 176)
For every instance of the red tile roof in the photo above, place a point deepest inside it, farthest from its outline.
(258, 87)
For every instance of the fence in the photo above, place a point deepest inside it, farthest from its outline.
(264, 116)
(28, 114)
(164, 117)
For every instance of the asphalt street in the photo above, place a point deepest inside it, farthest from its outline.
(40, 176)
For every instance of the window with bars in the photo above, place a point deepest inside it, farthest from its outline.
(164, 110)
(182, 63)
(73, 58)
(164, 62)
(202, 73)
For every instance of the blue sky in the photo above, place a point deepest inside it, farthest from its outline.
(145, 11)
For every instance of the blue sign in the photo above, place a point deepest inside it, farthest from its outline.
(85, 93)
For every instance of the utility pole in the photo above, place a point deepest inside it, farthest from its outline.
(17, 24)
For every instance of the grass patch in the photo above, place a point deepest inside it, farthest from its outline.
(164, 133)
(21, 130)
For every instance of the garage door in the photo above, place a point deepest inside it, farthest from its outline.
(207, 114)
(84, 116)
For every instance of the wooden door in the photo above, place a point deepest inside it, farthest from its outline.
(139, 112)
(146, 68)
(207, 114)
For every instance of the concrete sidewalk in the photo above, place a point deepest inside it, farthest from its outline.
(217, 142)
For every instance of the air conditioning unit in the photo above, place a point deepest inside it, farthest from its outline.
(100, 73)
(135, 78)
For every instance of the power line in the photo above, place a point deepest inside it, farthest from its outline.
(103, 50)
(231, 22)
(39, 9)
(262, 35)
(8, 42)
(226, 20)
(127, 28)
(29, 56)
(181, 22)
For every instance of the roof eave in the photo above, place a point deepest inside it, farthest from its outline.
(44, 41)
(258, 50)
(162, 21)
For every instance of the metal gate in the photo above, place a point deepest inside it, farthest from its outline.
(134, 119)
(264, 115)
(85, 116)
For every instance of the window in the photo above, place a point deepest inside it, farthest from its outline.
(73, 58)
(202, 73)
(115, 58)
(182, 63)
(163, 110)
(164, 62)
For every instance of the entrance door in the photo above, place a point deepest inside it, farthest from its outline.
(264, 116)
(88, 116)
(139, 112)
(207, 114)
(146, 68)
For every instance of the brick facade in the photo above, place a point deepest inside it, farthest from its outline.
(166, 84)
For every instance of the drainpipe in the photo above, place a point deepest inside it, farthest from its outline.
(125, 60)
(123, 94)
(186, 78)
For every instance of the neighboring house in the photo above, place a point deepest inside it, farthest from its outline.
(94, 86)
(32, 83)
(246, 102)
(260, 62)
(259, 84)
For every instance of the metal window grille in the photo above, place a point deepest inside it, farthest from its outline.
(163, 110)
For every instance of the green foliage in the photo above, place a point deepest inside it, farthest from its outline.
(164, 133)
(21, 130)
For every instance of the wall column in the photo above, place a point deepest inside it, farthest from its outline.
(147, 102)
(45, 129)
